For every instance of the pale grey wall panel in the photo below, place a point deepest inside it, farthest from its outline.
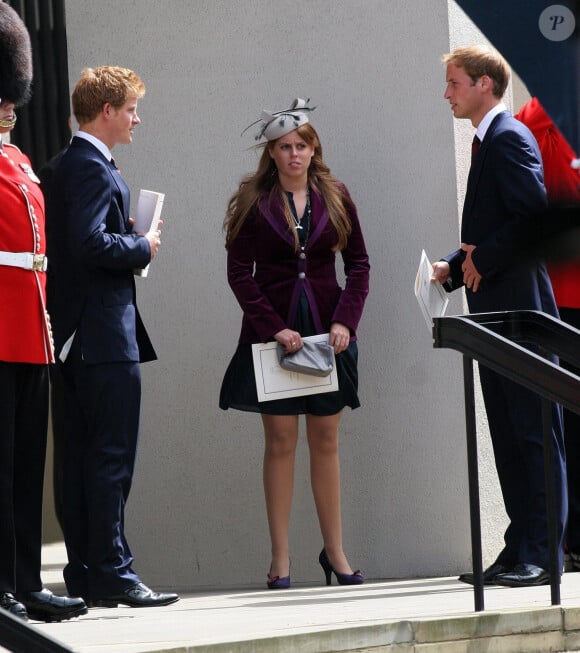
(196, 515)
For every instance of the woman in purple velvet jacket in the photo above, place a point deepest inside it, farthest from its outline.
(284, 226)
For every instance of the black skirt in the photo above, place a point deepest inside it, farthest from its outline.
(239, 385)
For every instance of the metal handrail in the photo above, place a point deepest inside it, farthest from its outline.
(492, 339)
(489, 339)
(17, 636)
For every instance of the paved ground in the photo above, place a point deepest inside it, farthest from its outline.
(433, 615)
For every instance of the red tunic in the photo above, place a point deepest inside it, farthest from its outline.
(25, 335)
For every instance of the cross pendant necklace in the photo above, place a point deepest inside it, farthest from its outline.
(306, 211)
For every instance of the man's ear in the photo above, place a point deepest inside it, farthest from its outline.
(486, 83)
(107, 110)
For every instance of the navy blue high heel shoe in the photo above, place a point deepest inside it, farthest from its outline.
(343, 579)
(278, 582)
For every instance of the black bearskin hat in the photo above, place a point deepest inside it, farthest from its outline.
(15, 57)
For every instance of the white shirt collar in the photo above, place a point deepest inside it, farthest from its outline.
(103, 149)
(487, 120)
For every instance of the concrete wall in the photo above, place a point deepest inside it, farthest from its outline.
(196, 517)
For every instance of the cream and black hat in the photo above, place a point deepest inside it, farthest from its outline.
(278, 123)
(15, 57)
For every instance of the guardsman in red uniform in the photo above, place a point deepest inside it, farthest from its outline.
(26, 350)
(562, 180)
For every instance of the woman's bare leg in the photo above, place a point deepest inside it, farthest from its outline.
(322, 435)
(281, 438)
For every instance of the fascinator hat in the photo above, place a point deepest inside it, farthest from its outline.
(274, 124)
(15, 57)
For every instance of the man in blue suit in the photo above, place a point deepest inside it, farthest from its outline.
(505, 190)
(99, 338)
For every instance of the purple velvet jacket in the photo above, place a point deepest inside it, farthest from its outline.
(267, 276)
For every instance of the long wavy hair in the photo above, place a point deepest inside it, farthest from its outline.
(265, 180)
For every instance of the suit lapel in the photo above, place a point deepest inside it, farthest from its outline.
(274, 214)
(116, 177)
(273, 211)
(478, 164)
(319, 217)
(123, 189)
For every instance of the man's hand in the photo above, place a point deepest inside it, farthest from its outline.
(471, 277)
(440, 271)
(154, 238)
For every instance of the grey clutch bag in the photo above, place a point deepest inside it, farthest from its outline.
(315, 358)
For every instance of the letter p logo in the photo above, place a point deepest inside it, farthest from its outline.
(557, 23)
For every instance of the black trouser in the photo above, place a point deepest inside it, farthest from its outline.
(514, 415)
(23, 428)
(102, 405)
(57, 403)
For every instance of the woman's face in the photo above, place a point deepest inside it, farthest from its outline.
(292, 155)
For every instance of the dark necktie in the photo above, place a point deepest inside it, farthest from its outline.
(475, 145)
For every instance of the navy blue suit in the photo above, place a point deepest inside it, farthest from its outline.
(505, 190)
(92, 253)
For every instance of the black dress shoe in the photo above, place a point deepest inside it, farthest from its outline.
(138, 596)
(489, 574)
(523, 575)
(8, 602)
(46, 606)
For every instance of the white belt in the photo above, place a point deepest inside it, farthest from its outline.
(24, 260)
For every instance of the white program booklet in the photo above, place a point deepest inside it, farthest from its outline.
(147, 217)
(272, 382)
(431, 295)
